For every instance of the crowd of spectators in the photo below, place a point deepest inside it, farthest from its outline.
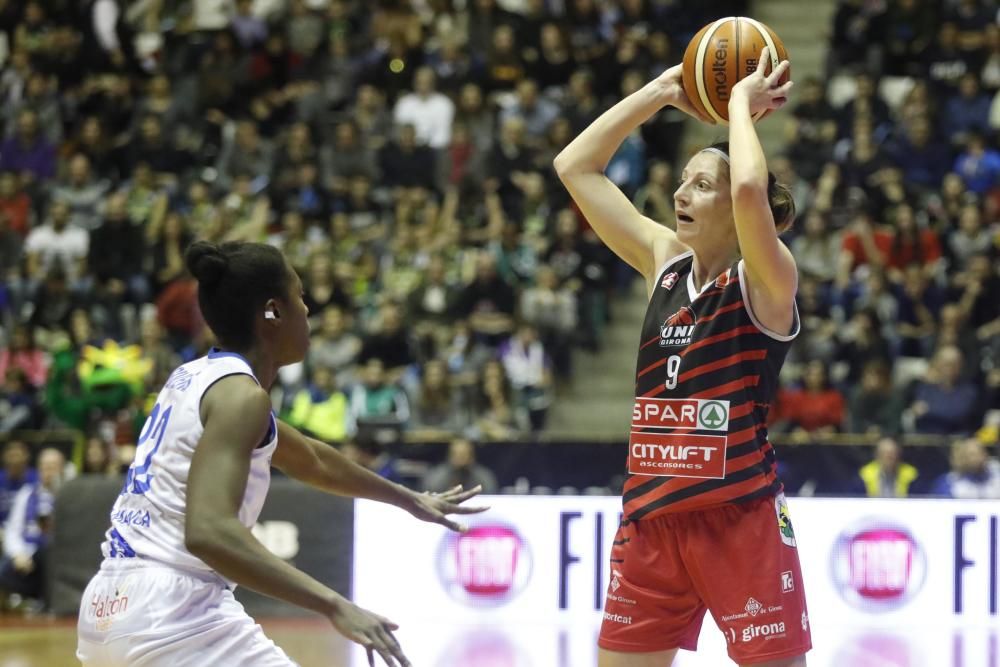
(894, 161)
(399, 153)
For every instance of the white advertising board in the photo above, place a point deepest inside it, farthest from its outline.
(904, 573)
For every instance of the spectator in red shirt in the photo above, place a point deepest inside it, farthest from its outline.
(15, 203)
(816, 407)
(863, 245)
(911, 244)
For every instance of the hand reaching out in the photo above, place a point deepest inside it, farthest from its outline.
(434, 507)
(372, 631)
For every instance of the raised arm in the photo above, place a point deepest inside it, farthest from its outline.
(641, 242)
(769, 264)
(323, 467)
(236, 413)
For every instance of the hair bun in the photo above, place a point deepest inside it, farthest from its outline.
(206, 262)
(772, 180)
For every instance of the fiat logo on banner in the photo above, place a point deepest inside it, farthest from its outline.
(488, 565)
(877, 566)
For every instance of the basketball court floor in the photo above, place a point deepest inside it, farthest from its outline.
(47, 643)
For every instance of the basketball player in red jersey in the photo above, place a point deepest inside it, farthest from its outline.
(705, 524)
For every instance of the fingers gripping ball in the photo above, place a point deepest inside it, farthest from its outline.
(722, 53)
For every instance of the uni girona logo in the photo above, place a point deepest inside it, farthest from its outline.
(490, 564)
(678, 328)
(878, 566)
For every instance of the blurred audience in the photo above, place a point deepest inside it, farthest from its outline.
(460, 468)
(16, 473)
(974, 475)
(887, 475)
(29, 528)
(321, 409)
(942, 402)
(815, 407)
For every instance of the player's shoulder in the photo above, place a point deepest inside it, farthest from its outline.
(237, 387)
(667, 252)
(236, 396)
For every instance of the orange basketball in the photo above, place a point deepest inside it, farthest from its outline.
(722, 53)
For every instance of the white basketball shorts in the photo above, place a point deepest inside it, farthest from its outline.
(136, 614)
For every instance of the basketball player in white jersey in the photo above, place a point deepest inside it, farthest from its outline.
(180, 537)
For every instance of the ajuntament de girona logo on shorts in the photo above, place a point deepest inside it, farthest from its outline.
(661, 442)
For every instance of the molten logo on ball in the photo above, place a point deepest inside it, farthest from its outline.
(719, 69)
(489, 564)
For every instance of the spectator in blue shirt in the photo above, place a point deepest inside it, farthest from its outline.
(967, 111)
(923, 159)
(973, 474)
(28, 529)
(15, 473)
(942, 403)
(978, 165)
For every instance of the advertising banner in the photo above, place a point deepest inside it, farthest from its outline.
(898, 577)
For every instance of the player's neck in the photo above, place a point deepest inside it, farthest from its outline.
(708, 265)
(264, 366)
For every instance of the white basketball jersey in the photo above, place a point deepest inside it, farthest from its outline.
(147, 520)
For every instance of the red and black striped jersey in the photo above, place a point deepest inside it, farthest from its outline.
(706, 375)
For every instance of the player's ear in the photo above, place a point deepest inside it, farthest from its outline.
(271, 310)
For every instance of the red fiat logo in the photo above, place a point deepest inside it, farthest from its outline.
(490, 562)
(878, 566)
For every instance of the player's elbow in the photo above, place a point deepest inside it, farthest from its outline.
(749, 191)
(562, 164)
(196, 543)
(568, 164)
(201, 538)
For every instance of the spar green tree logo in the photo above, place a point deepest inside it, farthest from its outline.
(712, 415)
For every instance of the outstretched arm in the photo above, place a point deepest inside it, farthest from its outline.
(641, 242)
(323, 467)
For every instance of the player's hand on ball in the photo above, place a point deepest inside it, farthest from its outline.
(434, 507)
(763, 92)
(372, 631)
(673, 91)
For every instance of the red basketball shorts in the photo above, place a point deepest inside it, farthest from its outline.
(737, 561)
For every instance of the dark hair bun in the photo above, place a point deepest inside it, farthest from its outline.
(206, 262)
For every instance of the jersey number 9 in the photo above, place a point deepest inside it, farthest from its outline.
(673, 368)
